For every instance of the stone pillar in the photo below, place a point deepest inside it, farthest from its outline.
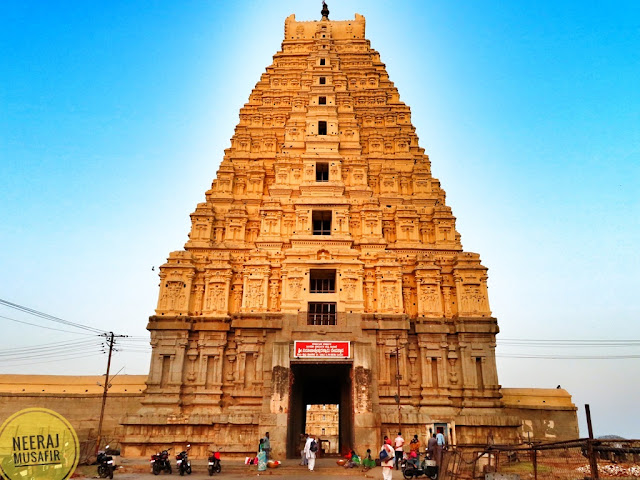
(366, 424)
(275, 421)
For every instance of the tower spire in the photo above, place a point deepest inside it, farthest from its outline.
(325, 11)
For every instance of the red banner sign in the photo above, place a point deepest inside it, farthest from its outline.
(311, 349)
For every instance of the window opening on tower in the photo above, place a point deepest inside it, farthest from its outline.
(321, 313)
(321, 222)
(323, 80)
(322, 172)
(322, 281)
(322, 127)
(322, 100)
(323, 61)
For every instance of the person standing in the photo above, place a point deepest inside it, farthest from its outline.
(310, 449)
(262, 457)
(398, 443)
(387, 463)
(266, 445)
(303, 442)
(431, 446)
(440, 444)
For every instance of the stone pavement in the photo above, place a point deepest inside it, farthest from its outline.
(326, 469)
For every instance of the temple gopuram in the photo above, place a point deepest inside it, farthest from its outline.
(322, 268)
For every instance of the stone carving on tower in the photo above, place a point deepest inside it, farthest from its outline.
(323, 222)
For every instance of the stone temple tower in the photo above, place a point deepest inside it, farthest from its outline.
(323, 267)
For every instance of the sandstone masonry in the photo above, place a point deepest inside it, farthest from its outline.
(324, 224)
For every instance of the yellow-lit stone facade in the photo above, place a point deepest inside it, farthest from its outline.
(323, 223)
(323, 422)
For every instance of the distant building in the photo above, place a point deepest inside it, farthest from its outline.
(323, 422)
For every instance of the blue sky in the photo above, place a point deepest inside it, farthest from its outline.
(114, 117)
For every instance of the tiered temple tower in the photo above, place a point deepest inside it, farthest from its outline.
(325, 226)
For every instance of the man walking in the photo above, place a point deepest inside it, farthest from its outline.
(310, 449)
(398, 443)
(440, 444)
(387, 462)
(431, 446)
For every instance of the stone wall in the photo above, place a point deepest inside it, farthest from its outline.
(547, 415)
(78, 399)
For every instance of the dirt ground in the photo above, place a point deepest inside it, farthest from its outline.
(326, 469)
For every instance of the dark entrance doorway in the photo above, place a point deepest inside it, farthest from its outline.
(318, 384)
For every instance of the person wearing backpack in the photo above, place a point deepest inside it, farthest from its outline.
(310, 449)
(386, 459)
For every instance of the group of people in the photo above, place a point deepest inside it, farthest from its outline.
(391, 453)
(394, 451)
(354, 460)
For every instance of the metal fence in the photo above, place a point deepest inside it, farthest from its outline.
(545, 461)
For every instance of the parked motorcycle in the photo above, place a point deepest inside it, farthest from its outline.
(106, 466)
(428, 467)
(183, 462)
(160, 462)
(214, 463)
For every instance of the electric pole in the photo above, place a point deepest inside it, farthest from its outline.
(104, 392)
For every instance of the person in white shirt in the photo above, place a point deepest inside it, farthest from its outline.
(309, 454)
(387, 463)
(398, 443)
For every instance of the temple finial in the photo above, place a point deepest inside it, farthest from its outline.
(325, 11)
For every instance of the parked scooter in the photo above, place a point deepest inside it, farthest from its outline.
(160, 462)
(183, 463)
(214, 463)
(428, 468)
(106, 465)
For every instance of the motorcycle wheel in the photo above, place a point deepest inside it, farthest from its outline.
(218, 468)
(408, 473)
(156, 469)
(181, 470)
(102, 471)
(111, 473)
(210, 470)
(434, 476)
(189, 470)
(169, 468)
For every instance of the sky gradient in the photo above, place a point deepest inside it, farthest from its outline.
(114, 117)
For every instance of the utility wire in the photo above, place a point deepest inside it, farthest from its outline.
(47, 347)
(568, 343)
(46, 316)
(53, 360)
(42, 326)
(570, 357)
(54, 354)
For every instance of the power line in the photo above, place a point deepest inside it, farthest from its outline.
(46, 346)
(568, 342)
(55, 354)
(570, 357)
(53, 360)
(46, 316)
(42, 326)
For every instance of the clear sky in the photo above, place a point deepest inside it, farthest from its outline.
(114, 117)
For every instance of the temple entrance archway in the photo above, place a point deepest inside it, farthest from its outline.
(319, 384)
